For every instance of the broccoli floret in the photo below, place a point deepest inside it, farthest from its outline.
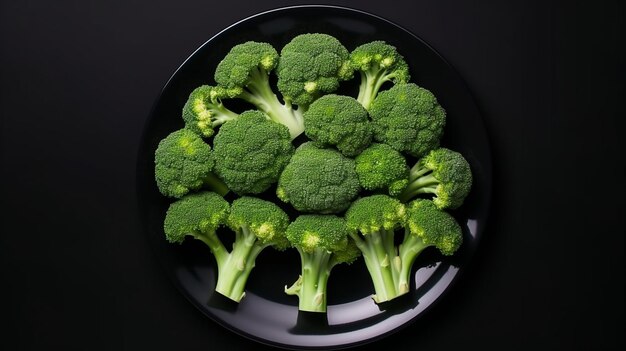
(251, 152)
(444, 173)
(322, 241)
(408, 118)
(373, 221)
(244, 73)
(311, 65)
(184, 163)
(257, 224)
(318, 180)
(204, 111)
(426, 226)
(381, 167)
(337, 120)
(378, 63)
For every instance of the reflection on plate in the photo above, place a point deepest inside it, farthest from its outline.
(266, 314)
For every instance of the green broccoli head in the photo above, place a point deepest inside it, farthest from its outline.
(245, 64)
(375, 213)
(444, 173)
(183, 161)
(382, 167)
(204, 111)
(433, 226)
(195, 214)
(378, 63)
(337, 120)
(311, 65)
(251, 152)
(264, 219)
(318, 180)
(408, 118)
(327, 233)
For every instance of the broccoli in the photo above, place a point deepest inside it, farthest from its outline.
(257, 224)
(322, 241)
(311, 65)
(251, 152)
(204, 111)
(378, 63)
(408, 118)
(337, 120)
(244, 73)
(445, 174)
(372, 221)
(426, 226)
(318, 180)
(184, 163)
(381, 167)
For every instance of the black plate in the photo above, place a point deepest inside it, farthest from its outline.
(266, 314)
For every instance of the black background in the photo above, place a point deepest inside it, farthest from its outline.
(79, 79)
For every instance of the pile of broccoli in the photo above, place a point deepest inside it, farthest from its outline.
(302, 166)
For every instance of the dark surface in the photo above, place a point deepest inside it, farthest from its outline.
(79, 79)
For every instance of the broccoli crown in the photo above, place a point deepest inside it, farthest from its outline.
(251, 152)
(374, 213)
(195, 214)
(182, 162)
(264, 219)
(341, 121)
(310, 65)
(312, 232)
(203, 111)
(318, 180)
(380, 60)
(453, 173)
(408, 118)
(433, 226)
(382, 167)
(243, 64)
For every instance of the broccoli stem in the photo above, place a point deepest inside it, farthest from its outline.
(411, 247)
(382, 262)
(426, 184)
(234, 271)
(312, 283)
(215, 184)
(261, 95)
(371, 82)
(220, 115)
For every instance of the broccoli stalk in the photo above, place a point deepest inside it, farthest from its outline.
(378, 63)
(443, 173)
(322, 241)
(373, 222)
(257, 224)
(244, 74)
(426, 226)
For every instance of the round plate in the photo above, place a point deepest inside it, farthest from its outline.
(267, 314)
